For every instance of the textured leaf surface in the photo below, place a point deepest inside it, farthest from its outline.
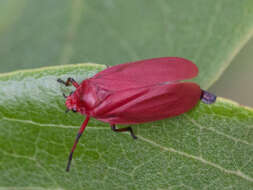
(211, 147)
(39, 33)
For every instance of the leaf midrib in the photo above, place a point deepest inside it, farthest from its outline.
(237, 173)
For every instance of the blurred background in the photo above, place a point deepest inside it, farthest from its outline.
(43, 33)
(236, 82)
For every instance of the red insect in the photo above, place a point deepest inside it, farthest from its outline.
(137, 92)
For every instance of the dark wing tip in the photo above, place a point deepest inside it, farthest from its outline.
(207, 97)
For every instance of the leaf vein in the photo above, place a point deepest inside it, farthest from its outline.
(50, 125)
(218, 132)
(237, 173)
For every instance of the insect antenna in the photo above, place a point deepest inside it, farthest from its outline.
(79, 134)
(64, 95)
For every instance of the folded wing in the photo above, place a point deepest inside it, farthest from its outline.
(148, 104)
(145, 73)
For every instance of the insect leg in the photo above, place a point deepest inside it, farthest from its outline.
(124, 130)
(68, 82)
(79, 134)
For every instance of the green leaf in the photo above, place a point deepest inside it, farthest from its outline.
(41, 33)
(210, 147)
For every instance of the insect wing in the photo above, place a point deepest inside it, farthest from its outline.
(148, 104)
(145, 72)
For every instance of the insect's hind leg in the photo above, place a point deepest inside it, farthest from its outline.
(125, 129)
(68, 82)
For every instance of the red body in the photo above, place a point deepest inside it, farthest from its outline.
(138, 92)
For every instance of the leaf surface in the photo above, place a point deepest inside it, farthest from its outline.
(42, 33)
(210, 147)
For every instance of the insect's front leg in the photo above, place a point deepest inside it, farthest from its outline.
(68, 82)
(124, 130)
